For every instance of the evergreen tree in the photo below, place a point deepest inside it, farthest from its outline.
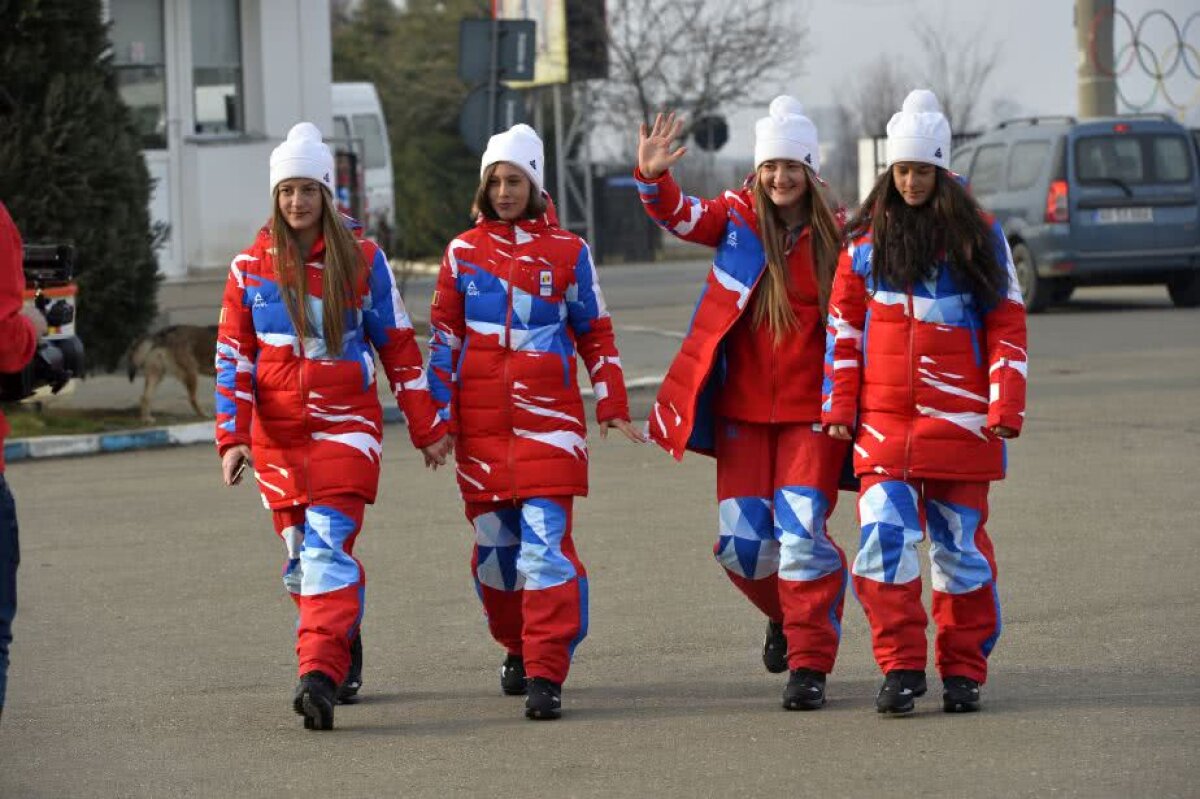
(71, 167)
(412, 58)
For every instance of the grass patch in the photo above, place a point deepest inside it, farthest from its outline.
(30, 422)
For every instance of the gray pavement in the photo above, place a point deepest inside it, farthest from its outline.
(153, 645)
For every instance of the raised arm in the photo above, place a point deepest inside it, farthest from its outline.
(391, 332)
(689, 218)
(1008, 365)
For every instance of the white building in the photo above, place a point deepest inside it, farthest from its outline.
(214, 85)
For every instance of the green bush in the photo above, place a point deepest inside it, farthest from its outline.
(71, 167)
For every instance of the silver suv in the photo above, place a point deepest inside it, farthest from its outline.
(1102, 202)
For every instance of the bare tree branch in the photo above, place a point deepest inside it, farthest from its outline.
(694, 56)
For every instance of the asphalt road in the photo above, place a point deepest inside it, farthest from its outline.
(153, 646)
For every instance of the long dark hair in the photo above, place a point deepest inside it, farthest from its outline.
(771, 305)
(907, 242)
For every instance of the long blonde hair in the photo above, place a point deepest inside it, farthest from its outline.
(772, 306)
(344, 263)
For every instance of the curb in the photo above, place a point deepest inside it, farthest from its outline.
(42, 447)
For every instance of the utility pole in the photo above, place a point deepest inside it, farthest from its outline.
(1096, 83)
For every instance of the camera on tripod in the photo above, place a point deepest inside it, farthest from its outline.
(49, 271)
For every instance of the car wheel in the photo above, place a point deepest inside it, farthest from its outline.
(1034, 289)
(1184, 289)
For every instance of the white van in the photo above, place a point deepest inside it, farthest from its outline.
(358, 123)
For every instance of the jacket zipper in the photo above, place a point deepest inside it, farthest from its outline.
(912, 391)
(508, 351)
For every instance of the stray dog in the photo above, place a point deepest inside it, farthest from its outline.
(185, 351)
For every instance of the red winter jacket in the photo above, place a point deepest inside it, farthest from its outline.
(925, 373)
(727, 366)
(514, 303)
(18, 340)
(313, 422)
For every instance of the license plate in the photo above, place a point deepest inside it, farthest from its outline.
(1123, 216)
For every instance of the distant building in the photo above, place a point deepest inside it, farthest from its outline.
(214, 85)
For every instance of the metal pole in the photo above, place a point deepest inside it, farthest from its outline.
(1096, 84)
(494, 73)
(589, 214)
(560, 160)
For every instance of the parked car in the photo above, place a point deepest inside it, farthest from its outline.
(1100, 202)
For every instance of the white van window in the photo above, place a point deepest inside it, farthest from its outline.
(368, 128)
(341, 130)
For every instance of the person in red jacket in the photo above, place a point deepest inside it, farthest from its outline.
(746, 384)
(306, 309)
(517, 298)
(19, 331)
(926, 355)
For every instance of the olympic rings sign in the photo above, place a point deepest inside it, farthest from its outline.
(1160, 65)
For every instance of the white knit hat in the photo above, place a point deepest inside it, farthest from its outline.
(519, 146)
(785, 133)
(303, 155)
(919, 131)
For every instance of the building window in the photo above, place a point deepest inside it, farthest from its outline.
(217, 66)
(138, 56)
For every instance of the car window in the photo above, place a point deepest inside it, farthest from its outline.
(1133, 159)
(987, 172)
(1025, 163)
(368, 128)
(1171, 161)
(1102, 158)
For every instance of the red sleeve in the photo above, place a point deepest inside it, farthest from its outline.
(391, 331)
(237, 348)
(447, 328)
(592, 325)
(1008, 365)
(16, 331)
(688, 218)
(843, 343)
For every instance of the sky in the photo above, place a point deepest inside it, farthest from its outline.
(1037, 69)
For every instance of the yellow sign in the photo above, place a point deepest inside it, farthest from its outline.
(551, 36)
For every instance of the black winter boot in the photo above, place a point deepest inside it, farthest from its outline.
(512, 675)
(805, 690)
(347, 692)
(900, 688)
(545, 699)
(775, 648)
(960, 695)
(314, 700)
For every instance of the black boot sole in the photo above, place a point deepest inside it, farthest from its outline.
(513, 691)
(317, 711)
(538, 714)
(803, 704)
(955, 706)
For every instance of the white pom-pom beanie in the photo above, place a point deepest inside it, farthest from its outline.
(919, 131)
(785, 133)
(303, 155)
(519, 146)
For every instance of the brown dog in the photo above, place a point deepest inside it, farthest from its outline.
(186, 351)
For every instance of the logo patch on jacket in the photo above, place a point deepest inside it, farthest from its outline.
(545, 283)
(259, 302)
(472, 289)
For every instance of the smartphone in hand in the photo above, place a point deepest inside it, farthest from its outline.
(238, 472)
